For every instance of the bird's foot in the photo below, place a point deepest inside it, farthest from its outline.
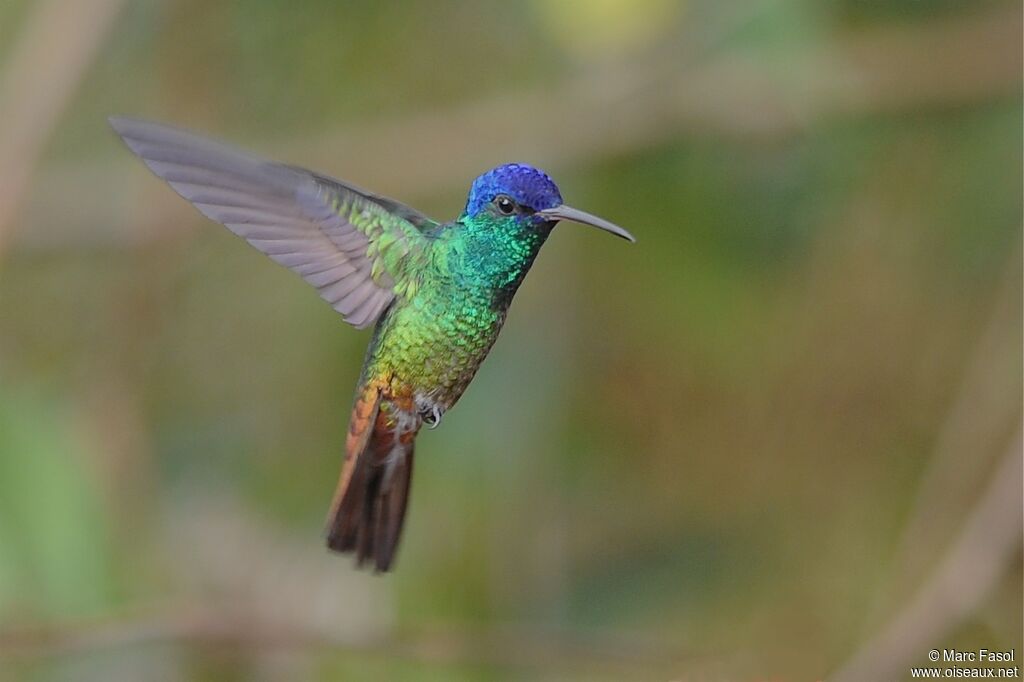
(432, 416)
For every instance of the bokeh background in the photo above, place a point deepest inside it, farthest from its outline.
(778, 439)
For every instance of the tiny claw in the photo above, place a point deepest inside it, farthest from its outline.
(433, 417)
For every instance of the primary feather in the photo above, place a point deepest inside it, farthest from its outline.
(349, 244)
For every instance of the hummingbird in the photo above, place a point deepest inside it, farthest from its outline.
(436, 293)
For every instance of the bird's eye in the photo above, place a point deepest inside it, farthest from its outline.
(504, 204)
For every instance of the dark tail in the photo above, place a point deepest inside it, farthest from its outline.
(369, 504)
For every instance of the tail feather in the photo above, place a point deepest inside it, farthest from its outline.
(369, 504)
(391, 504)
(342, 523)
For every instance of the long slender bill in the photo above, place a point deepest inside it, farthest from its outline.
(577, 216)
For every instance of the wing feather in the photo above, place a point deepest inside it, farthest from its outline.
(353, 246)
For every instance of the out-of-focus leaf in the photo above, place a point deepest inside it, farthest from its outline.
(53, 533)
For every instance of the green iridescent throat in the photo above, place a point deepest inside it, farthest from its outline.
(435, 338)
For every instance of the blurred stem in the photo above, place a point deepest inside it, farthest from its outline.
(206, 628)
(989, 542)
(620, 108)
(985, 406)
(45, 66)
(982, 553)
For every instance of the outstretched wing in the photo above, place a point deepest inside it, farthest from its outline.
(350, 244)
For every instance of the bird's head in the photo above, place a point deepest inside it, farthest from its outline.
(520, 195)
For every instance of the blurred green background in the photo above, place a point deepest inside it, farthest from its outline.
(769, 442)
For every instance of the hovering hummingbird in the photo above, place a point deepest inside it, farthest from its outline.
(436, 293)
